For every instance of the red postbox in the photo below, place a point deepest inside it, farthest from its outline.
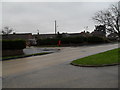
(59, 42)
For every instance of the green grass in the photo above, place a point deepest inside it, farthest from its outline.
(22, 56)
(108, 57)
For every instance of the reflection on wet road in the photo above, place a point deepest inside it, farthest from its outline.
(54, 70)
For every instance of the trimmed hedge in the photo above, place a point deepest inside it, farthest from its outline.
(96, 39)
(72, 40)
(47, 41)
(13, 44)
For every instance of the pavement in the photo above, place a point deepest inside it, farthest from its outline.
(54, 70)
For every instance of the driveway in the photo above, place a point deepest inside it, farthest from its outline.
(54, 71)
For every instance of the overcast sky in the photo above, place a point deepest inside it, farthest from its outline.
(70, 16)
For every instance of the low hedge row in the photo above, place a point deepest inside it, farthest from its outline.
(13, 44)
(96, 39)
(72, 40)
(47, 41)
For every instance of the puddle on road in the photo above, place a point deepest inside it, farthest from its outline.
(32, 50)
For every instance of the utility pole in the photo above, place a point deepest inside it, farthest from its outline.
(119, 14)
(55, 27)
(38, 31)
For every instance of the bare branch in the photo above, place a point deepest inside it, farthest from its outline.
(109, 18)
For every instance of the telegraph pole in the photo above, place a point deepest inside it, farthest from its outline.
(38, 31)
(55, 27)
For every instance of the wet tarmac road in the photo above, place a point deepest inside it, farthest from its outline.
(54, 70)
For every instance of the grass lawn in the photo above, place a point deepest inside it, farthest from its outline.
(108, 57)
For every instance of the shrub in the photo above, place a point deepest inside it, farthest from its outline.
(65, 40)
(13, 44)
(113, 39)
(95, 39)
(73, 40)
(47, 41)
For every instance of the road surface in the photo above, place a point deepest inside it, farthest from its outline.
(54, 70)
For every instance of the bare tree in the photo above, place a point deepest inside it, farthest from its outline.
(110, 18)
(6, 30)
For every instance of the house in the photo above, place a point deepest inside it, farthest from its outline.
(44, 36)
(24, 36)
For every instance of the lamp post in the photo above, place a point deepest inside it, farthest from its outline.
(38, 31)
(55, 27)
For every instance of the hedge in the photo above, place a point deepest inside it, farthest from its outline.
(13, 44)
(96, 39)
(47, 41)
(72, 40)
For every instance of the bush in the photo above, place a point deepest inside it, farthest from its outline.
(66, 40)
(113, 39)
(95, 39)
(47, 41)
(13, 44)
(72, 40)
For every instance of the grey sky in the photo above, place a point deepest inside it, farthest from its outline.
(70, 16)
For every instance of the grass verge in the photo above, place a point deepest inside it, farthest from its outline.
(101, 59)
(22, 56)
